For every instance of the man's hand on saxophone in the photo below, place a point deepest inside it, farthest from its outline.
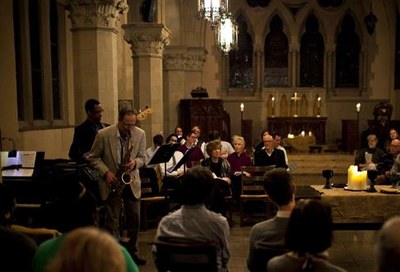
(111, 177)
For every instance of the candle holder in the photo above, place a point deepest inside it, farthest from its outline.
(327, 174)
(371, 174)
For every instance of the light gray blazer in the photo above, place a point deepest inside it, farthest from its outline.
(104, 156)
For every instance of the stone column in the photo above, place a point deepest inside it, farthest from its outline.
(182, 73)
(147, 42)
(294, 64)
(94, 33)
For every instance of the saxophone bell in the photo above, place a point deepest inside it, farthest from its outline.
(126, 177)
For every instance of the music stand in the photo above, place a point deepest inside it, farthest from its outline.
(163, 154)
(181, 161)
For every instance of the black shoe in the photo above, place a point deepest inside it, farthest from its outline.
(138, 259)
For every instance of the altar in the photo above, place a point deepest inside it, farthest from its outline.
(295, 125)
(360, 207)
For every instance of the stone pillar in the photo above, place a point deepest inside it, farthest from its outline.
(294, 64)
(182, 73)
(94, 33)
(330, 71)
(147, 42)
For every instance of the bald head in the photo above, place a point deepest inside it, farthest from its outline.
(394, 147)
(389, 245)
(268, 142)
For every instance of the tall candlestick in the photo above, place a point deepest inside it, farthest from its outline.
(358, 107)
(273, 106)
(242, 107)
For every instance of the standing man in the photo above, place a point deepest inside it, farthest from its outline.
(269, 155)
(108, 156)
(85, 133)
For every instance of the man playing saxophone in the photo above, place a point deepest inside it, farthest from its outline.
(120, 149)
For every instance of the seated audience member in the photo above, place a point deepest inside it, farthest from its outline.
(176, 157)
(394, 173)
(270, 234)
(393, 134)
(191, 143)
(88, 249)
(170, 179)
(221, 171)
(179, 132)
(388, 246)
(372, 157)
(226, 147)
(270, 155)
(309, 235)
(158, 140)
(277, 145)
(16, 249)
(386, 177)
(193, 222)
(260, 145)
(75, 211)
(236, 160)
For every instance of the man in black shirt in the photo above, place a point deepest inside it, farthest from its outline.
(270, 155)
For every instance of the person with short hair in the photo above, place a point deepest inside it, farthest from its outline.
(196, 155)
(118, 149)
(88, 249)
(278, 184)
(85, 133)
(193, 222)
(388, 246)
(270, 155)
(372, 157)
(309, 235)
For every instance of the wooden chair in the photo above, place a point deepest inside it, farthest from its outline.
(253, 190)
(182, 257)
(151, 198)
(261, 257)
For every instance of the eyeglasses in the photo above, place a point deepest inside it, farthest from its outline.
(128, 125)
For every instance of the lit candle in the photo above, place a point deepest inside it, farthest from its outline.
(273, 105)
(242, 107)
(303, 133)
(310, 133)
(319, 101)
(358, 107)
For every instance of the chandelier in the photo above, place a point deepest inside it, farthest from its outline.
(212, 11)
(227, 33)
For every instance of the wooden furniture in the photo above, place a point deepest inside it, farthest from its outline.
(152, 205)
(209, 114)
(295, 125)
(350, 135)
(179, 256)
(360, 209)
(253, 191)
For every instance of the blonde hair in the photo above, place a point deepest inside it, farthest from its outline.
(238, 138)
(88, 249)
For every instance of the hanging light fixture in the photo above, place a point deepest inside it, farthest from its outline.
(212, 10)
(227, 34)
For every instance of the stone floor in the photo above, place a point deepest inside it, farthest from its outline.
(351, 250)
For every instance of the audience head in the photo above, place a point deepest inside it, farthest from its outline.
(277, 139)
(263, 133)
(191, 138)
(178, 131)
(158, 139)
(268, 142)
(394, 147)
(310, 227)
(76, 208)
(393, 133)
(372, 141)
(172, 139)
(214, 135)
(388, 246)
(197, 130)
(7, 205)
(93, 110)
(196, 185)
(213, 148)
(278, 184)
(238, 144)
(88, 250)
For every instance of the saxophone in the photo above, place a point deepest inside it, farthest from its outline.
(124, 177)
